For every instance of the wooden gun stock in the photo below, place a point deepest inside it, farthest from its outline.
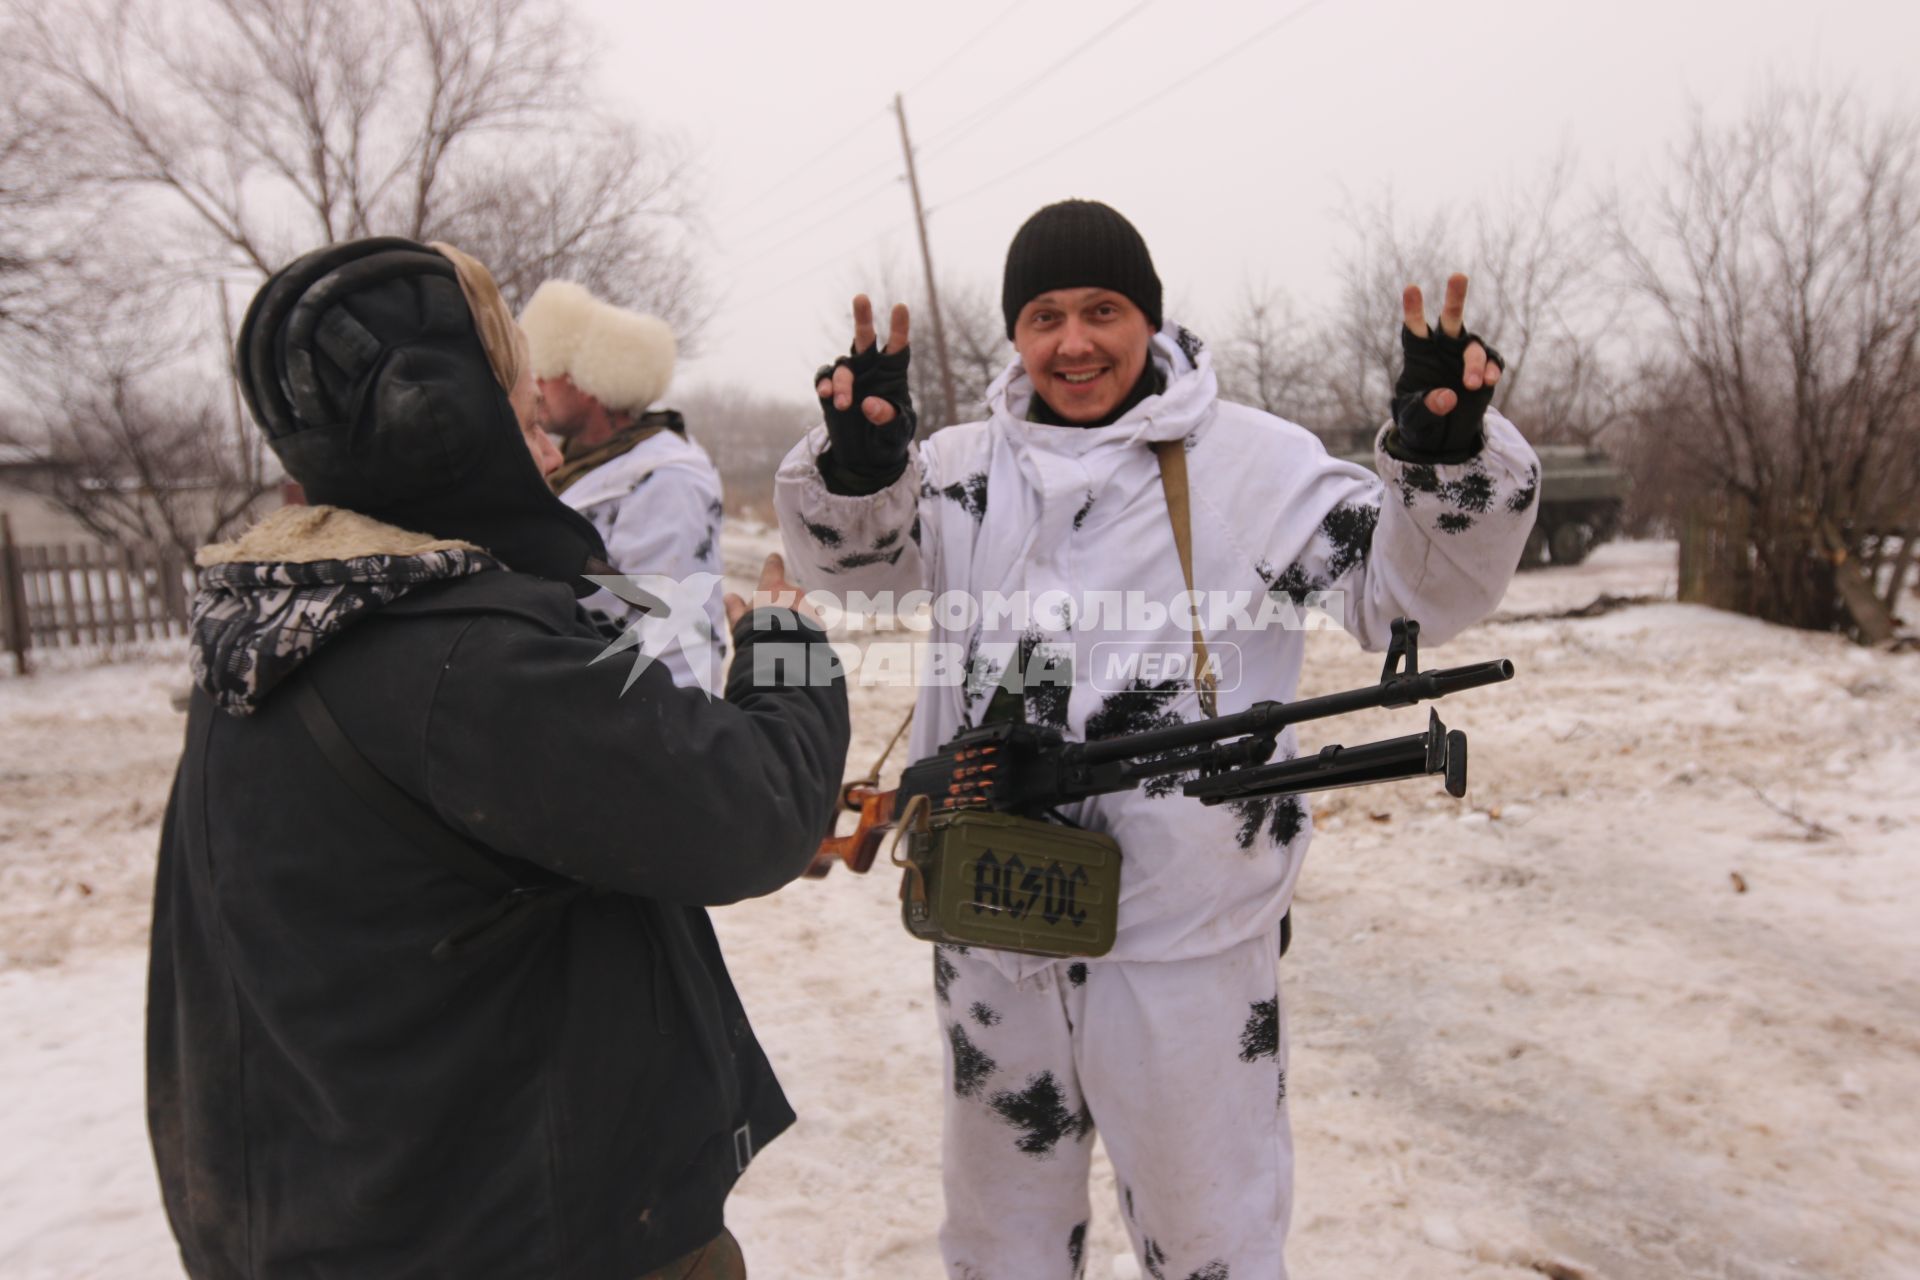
(859, 847)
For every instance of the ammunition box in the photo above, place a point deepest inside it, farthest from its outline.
(985, 879)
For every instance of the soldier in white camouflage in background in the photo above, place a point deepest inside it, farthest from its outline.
(651, 491)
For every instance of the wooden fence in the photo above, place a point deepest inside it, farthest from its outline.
(88, 596)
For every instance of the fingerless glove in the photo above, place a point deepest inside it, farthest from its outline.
(861, 458)
(1428, 364)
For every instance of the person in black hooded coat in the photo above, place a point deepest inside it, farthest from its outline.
(455, 1010)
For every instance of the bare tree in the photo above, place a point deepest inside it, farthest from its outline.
(1271, 359)
(976, 344)
(216, 139)
(1535, 255)
(40, 250)
(1540, 295)
(135, 452)
(747, 434)
(276, 125)
(1361, 334)
(608, 211)
(1781, 264)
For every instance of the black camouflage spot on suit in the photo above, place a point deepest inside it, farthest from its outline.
(984, 1014)
(1296, 584)
(1281, 816)
(1080, 516)
(705, 548)
(716, 510)
(1156, 1260)
(1415, 479)
(1126, 1194)
(971, 1065)
(1076, 1250)
(1453, 522)
(886, 540)
(1260, 1038)
(970, 494)
(824, 534)
(982, 674)
(1281, 1101)
(1189, 342)
(914, 533)
(1523, 498)
(1077, 974)
(1135, 709)
(1349, 531)
(1048, 690)
(1040, 1112)
(1471, 492)
(943, 975)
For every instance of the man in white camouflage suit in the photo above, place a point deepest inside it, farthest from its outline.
(1174, 1043)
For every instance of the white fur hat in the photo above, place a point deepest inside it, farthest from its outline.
(621, 358)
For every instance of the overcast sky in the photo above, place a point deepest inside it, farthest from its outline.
(1239, 173)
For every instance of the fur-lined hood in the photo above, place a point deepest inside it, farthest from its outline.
(307, 535)
(270, 598)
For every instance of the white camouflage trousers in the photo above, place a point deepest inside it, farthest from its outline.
(1182, 1065)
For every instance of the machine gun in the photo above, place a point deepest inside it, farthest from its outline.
(990, 862)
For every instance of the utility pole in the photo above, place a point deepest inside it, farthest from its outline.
(926, 258)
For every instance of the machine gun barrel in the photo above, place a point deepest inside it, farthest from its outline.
(1269, 718)
(1438, 750)
(1015, 773)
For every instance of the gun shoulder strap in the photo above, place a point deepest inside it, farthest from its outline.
(1173, 479)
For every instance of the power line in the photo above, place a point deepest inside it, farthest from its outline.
(859, 198)
(1238, 49)
(954, 57)
(968, 123)
(865, 244)
(785, 218)
(806, 166)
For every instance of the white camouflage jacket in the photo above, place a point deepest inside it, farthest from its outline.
(658, 509)
(1008, 505)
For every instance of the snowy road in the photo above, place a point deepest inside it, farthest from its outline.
(1642, 1006)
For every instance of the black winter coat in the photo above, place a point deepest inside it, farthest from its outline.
(326, 1100)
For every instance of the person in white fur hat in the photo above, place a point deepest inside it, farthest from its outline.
(629, 468)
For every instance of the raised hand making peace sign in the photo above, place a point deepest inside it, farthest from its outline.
(1446, 379)
(866, 403)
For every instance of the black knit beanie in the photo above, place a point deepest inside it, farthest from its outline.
(362, 365)
(1079, 244)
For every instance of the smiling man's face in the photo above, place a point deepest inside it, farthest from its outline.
(1083, 348)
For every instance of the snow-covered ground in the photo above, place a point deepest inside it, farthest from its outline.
(1643, 1005)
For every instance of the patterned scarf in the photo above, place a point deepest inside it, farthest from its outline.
(253, 623)
(579, 462)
